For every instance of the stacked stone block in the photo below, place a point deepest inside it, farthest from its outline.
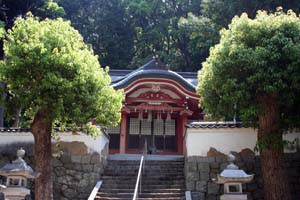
(199, 172)
(75, 176)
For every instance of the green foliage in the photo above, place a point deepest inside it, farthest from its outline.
(51, 10)
(201, 33)
(127, 33)
(255, 58)
(48, 67)
(42, 8)
(106, 26)
(2, 29)
(158, 33)
(222, 11)
(274, 141)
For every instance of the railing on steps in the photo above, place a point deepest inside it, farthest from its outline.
(95, 190)
(188, 195)
(138, 184)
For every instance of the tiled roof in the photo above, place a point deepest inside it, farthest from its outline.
(5, 129)
(153, 69)
(215, 125)
(58, 129)
(13, 129)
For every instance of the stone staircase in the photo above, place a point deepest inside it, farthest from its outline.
(163, 178)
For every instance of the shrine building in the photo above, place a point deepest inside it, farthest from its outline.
(158, 104)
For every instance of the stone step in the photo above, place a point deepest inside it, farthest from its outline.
(147, 161)
(141, 195)
(145, 171)
(150, 162)
(151, 186)
(117, 198)
(146, 176)
(146, 166)
(158, 190)
(170, 184)
(161, 179)
(153, 178)
(137, 157)
(151, 165)
(148, 186)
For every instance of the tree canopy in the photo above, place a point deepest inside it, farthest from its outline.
(125, 34)
(138, 29)
(254, 73)
(48, 65)
(255, 57)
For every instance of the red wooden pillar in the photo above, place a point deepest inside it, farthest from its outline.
(181, 128)
(123, 133)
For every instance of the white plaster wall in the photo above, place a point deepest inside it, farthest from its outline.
(199, 140)
(93, 144)
(14, 137)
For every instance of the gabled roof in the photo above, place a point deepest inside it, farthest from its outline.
(153, 69)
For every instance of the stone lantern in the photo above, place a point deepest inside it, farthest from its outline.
(16, 174)
(233, 178)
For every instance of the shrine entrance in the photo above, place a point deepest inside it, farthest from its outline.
(157, 134)
(157, 105)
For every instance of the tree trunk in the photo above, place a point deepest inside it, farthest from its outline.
(17, 118)
(41, 129)
(272, 162)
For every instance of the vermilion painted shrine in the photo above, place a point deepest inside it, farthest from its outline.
(158, 104)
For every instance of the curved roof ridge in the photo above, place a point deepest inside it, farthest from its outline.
(153, 69)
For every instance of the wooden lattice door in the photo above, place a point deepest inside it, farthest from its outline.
(160, 135)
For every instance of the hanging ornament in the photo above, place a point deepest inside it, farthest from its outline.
(158, 117)
(149, 116)
(140, 115)
(168, 116)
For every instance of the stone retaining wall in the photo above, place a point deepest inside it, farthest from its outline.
(200, 170)
(74, 176)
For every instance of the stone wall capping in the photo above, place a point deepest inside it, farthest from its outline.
(211, 125)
